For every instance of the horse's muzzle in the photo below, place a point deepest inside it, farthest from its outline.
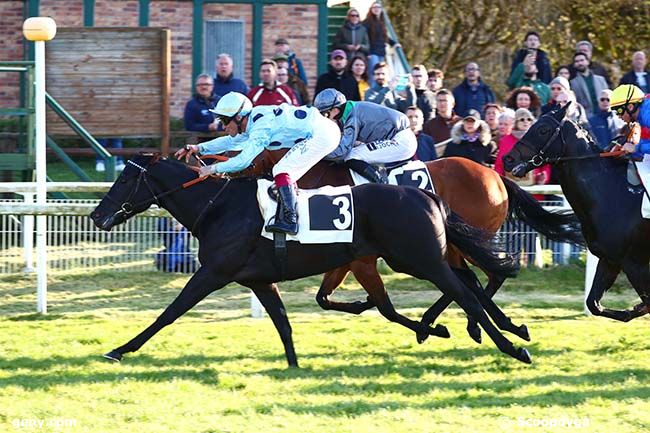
(103, 223)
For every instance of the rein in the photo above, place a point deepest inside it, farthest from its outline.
(539, 159)
(127, 208)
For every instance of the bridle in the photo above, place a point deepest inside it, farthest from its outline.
(127, 208)
(540, 158)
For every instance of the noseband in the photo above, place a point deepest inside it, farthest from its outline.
(540, 158)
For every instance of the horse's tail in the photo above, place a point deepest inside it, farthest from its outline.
(479, 245)
(562, 226)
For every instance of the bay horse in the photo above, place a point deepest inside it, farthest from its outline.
(478, 194)
(597, 190)
(225, 217)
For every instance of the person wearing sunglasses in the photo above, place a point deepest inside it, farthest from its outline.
(352, 37)
(303, 130)
(633, 106)
(605, 125)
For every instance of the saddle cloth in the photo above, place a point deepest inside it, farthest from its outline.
(643, 168)
(413, 173)
(325, 215)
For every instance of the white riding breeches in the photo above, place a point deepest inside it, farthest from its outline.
(305, 154)
(401, 147)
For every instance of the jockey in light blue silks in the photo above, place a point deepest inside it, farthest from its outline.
(308, 135)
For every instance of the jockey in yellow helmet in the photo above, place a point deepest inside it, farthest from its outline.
(632, 105)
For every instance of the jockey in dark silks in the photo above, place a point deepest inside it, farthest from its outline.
(371, 134)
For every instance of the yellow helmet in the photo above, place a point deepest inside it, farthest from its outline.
(626, 94)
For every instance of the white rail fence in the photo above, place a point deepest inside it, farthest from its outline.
(145, 242)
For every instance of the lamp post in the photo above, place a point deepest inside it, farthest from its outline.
(39, 30)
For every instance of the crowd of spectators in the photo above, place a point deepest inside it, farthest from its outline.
(466, 120)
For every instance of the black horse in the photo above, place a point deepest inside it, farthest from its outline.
(597, 190)
(225, 217)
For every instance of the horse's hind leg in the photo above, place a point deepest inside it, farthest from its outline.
(500, 319)
(443, 277)
(202, 283)
(269, 297)
(367, 275)
(332, 280)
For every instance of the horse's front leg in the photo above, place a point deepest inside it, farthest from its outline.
(606, 273)
(202, 283)
(269, 297)
(638, 274)
(331, 281)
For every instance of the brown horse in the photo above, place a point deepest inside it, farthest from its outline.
(475, 192)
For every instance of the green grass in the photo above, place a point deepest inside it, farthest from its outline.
(218, 370)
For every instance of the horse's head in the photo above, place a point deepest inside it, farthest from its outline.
(543, 141)
(131, 194)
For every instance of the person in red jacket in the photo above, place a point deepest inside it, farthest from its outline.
(270, 92)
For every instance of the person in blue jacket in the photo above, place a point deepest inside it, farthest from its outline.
(225, 82)
(197, 116)
(472, 93)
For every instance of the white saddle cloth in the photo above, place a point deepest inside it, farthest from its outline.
(325, 215)
(413, 173)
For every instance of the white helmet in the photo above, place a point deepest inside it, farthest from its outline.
(233, 104)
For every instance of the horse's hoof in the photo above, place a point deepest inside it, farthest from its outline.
(113, 355)
(524, 356)
(441, 331)
(523, 332)
(421, 337)
(475, 333)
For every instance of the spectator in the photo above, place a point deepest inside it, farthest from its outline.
(375, 23)
(525, 74)
(471, 139)
(506, 122)
(472, 93)
(563, 71)
(269, 92)
(523, 121)
(224, 81)
(557, 85)
(523, 97)
(587, 85)
(536, 55)
(587, 49)
(439, 128)
(425, 99)
(383, 92)
(299, 88)
(110, 143)
(359, 70)
(337, 78)
(197, 116)
(426, 147)
(176, 256)
(295, 65)
(576, 112)
(436, 77)
(492, 112)
(605, 125)
(352, 37)
(639, 75)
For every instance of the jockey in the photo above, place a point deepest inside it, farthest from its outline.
(632, 105)
(372, 134)
(309, 136)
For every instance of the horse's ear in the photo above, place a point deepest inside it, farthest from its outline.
(559, 114)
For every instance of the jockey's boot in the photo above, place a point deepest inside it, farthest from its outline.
(286, 217)
(366, 170)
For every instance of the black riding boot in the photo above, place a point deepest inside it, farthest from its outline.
(286, 218)
(366, 170)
